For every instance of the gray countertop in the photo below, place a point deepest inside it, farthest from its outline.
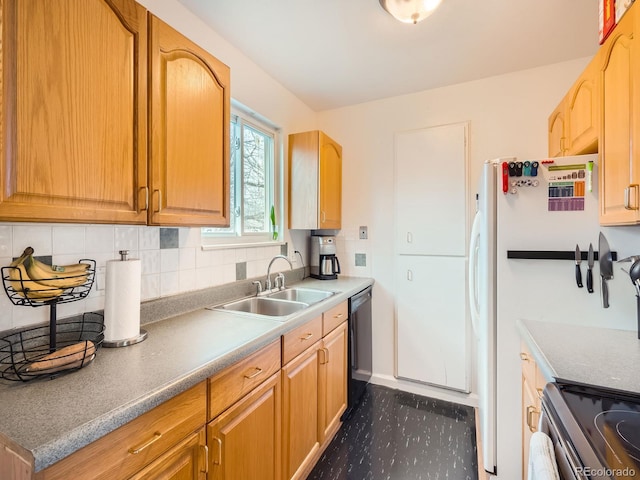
(54, 418)
(584, 355)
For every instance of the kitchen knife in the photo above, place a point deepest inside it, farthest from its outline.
(578, 272)
(590, 269)
(606, 268)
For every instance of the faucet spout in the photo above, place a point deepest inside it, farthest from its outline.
(267, 285)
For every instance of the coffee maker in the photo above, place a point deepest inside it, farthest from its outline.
(324, 264)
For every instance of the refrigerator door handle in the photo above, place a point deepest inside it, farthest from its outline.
(474, 246)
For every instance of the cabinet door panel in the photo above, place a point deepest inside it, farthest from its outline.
(301, 436)
(74, 116)
(189, 126)
(431, 320)
(618, 109)
(333, 380)
(330, 184)
(582, 111)
(244, 441)
(556, 132)
(431, 185)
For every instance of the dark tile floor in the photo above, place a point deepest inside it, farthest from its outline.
(394, 435)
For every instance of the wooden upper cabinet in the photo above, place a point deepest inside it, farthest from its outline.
(620, 75)
(556, 132)
(189, 132)
(74, 106)
(582, 111)
(575, 123)
(315, 181)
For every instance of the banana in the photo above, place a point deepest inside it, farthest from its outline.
(20, 282)
(74, 268)
(47, 275)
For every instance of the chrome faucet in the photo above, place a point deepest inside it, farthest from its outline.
(267, 283)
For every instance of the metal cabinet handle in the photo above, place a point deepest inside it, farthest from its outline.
(159, 192)
(531, 410)
(146, 198)
(218, 460)
(627, 197)
(410, 275)
(307, 336)
(324, 360)
(409, 237)
(338, 315)
(206, 459)
(539, 391)
(148, 443)
(324, 216)
(257, 372)
(524, 357)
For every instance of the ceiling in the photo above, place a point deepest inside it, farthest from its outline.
(333, 53)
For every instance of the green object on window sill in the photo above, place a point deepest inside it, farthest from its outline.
(274, 227)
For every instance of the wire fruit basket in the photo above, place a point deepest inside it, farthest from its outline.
(28, 354)
(56, 348)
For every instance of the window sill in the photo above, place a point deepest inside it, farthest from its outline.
(229, 246)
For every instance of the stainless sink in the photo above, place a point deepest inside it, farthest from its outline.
(276, 305)
(304, 295)
(271, 307)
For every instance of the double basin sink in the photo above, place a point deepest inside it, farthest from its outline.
(277, 305)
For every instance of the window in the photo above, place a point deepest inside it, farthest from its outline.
(252, 185)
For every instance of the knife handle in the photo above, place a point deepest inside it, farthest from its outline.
(578, 276)
(605, 293)
(589, 280)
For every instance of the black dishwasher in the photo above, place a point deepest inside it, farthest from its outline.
(360, 347)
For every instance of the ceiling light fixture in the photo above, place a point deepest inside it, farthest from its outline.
(410, 11)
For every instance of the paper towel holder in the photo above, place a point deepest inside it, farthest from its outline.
(127, 341)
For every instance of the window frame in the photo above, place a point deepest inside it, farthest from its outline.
(244, 116)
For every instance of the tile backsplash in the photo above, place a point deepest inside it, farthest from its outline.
(172, 261)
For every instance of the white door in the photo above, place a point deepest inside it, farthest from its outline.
(431, 320)
(431, 186)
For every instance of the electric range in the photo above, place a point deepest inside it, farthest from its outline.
(595, 431)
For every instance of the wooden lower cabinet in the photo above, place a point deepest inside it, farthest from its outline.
(314, 391)
(301, 428)
(186, 461)
(244, 441)
(533, 383)
(333, 381)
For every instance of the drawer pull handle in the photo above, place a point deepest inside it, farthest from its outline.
(531, 410)
(156, 437)
(257, 372)
(339, 315)
(218, 461)
(524, 357)
(539, 390)
(206, 459)
(307, 336)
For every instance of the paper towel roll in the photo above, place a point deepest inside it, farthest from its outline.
(122, 300)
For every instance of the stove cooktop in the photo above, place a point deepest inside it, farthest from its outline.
(611, 422)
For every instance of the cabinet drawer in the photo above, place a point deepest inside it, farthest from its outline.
(126, 450)
(297, 341)
(234, 382)
(334, 317)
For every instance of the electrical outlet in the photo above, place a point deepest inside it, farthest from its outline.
(363, 233)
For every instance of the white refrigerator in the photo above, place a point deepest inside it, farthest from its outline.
(537, 216)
